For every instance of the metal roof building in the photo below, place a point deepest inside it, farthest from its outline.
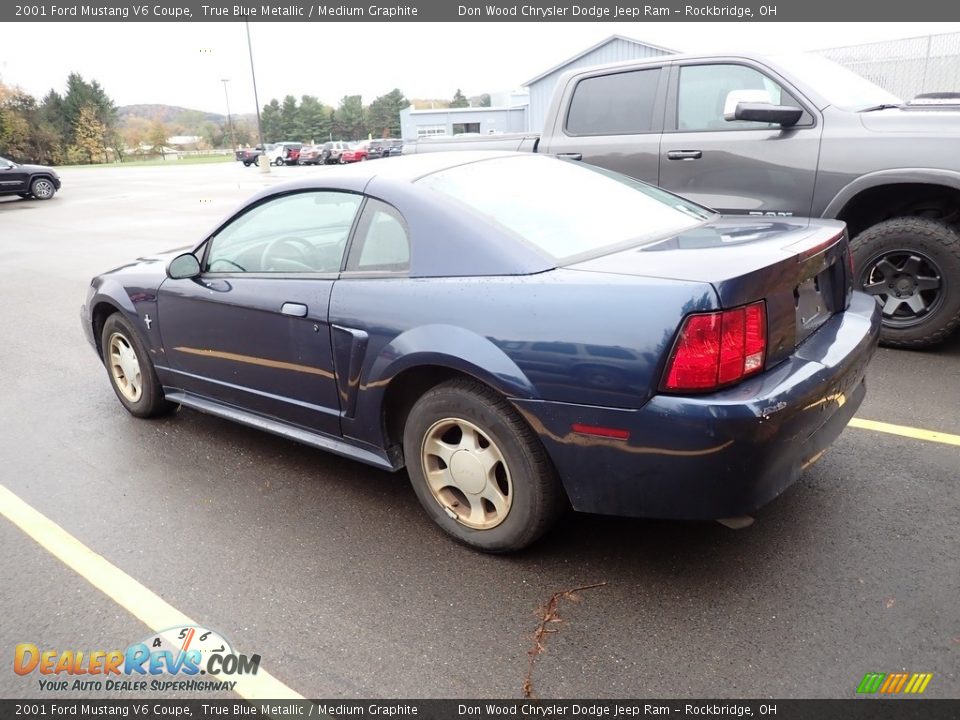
(615, 48)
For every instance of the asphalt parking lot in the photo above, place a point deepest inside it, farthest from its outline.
(330, 571)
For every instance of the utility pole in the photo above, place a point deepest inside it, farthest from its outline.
(262, 160)
(233, 139)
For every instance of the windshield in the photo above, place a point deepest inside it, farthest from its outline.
(841, 87)
(564, 208)
(5, 161)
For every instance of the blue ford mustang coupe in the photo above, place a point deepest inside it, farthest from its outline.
(520, 332)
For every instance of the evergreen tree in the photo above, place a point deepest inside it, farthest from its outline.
(459, 100)
(270, 120)
(349, 118)
(314, 119)
(383, 115)
(290, 128)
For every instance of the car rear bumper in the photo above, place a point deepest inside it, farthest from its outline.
(719, 455)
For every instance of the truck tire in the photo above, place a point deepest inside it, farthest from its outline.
(912, 266)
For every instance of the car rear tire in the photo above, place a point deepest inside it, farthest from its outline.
(130, 369)
(478, 469)
(43, 188)
(912, 266)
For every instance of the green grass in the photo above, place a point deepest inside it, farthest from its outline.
(189, 160)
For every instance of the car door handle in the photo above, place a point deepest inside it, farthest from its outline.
(684, 154)
(570, 156)
(293, 309)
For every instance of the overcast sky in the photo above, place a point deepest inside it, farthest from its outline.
(182, 63)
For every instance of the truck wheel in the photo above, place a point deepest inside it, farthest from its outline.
(478, 469)
(911, 265)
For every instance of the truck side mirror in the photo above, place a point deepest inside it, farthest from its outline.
(785, 115)
(758, 106)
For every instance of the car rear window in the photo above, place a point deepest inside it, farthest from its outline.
(566, 209)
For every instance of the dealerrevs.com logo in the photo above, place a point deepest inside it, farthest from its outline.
(171, 660)
(894, 683)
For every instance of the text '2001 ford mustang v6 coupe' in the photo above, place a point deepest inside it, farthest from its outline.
(520, 332)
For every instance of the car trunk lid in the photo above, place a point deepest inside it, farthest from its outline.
(800, 269)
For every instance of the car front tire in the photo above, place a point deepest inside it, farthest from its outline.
(911, 265)
(478, 469)
(130, 370)
(43, 188)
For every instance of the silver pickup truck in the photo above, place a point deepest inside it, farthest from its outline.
(778, 136)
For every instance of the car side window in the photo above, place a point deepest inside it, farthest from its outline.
(617, 104)
(702, 95)
(382, 243)
(299, 232)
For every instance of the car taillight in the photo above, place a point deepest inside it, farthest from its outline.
(717, 349)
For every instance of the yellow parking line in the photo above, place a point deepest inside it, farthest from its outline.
(141, 602)
(905, 431)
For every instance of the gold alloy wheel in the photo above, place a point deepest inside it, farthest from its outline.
(466, 473)
(125, 367)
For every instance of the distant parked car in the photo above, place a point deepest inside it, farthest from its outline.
(310, 155)
(249, 156)
(27, 181)
(334, 150)
(381, 147)
(285, 153)
(394, 148)
(357, 153)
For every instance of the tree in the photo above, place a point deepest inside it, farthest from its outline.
(348, 119)
(82, 94)
(157, 136)
(290, 127)
(314, 119)
(89, 139)
(15, 106)
(459, 100)
(270, 120)
(383, 115)
(136, 132)
(485, 100)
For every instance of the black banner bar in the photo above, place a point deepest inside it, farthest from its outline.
(852, 709)
(477, 11)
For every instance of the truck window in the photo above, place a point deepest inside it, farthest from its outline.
(703, 90)
(618, 104)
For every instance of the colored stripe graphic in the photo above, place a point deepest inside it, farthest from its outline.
(894, 683)
(870, 683)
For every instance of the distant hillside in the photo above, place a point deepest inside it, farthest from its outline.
(175, 114)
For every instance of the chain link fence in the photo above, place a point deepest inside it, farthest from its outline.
(906, 67)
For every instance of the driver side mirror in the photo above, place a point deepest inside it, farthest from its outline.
(183, 267)
(757, 106)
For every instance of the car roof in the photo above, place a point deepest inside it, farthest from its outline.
(405, 169)
(479, 248)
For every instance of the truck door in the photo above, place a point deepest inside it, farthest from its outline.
(737, 167)
(613, 120)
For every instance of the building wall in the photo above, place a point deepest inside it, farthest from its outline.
(906, 67)
(490, 120)
(617, 50)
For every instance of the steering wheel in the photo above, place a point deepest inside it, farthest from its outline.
(304, 248)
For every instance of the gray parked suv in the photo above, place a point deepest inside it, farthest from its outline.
(778, 137)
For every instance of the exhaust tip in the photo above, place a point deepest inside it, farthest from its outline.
(736, 523)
